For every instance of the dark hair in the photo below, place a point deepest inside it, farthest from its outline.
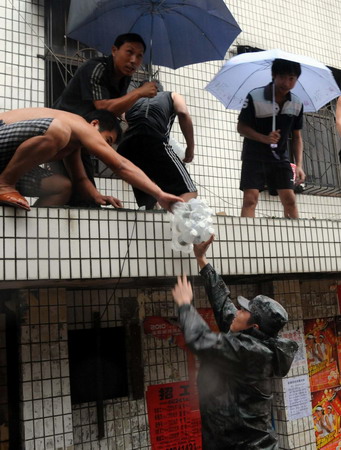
(285, 67)
(129, 37)
(107, 121)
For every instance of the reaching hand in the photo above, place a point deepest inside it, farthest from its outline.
(300, 176)
(182, 292)
(148, 89)
(189, 155)
(201, 249)
(108, 200)
(166, 201)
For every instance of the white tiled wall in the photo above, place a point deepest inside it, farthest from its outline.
(57, 243)
(54, 244)
(50, 422)
(21, 41)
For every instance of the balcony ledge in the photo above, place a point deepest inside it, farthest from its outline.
(60, 244)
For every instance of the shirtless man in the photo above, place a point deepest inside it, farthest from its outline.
(33, 136)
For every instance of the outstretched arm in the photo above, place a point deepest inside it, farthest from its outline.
(217, 291)
(75, 168)
(91, 139)
(120, 105)
(185, 123)
(198, 336)
(200, 251)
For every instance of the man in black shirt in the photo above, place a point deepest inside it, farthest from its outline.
(102, 83)
(265, 151)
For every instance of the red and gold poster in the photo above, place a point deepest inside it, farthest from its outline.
(338, 339)
(321, 348)
(173, 424)
(327, 421)
(339, 297)
(173, 408)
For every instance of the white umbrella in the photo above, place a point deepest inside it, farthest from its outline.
(315, 87)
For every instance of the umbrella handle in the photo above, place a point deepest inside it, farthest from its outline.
(273, 117)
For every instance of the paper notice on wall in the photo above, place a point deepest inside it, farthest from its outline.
(297, 397)
(300, 356)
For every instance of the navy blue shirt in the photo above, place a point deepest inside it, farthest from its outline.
(257, 113)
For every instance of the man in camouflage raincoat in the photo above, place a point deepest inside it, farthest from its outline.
(237, 364)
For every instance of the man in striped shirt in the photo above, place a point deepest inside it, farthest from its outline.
(102, 83)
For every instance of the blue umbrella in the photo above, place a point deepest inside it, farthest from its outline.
(177, 33)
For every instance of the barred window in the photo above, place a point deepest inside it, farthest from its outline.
(321, 146)
(62, 55)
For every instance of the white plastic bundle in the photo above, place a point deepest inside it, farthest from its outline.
(177, 148)
(191, 223)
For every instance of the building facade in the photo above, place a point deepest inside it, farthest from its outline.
(64, 270)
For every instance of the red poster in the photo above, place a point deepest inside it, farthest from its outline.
(327, 421)
(339, 297)
(173, 409)
(172, 423)
(321, 348)
(338, 339)
(168, 329)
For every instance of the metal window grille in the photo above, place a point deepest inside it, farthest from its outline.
(321, 145)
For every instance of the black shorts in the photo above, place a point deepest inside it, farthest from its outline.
(159, 161)
(11, 136)
(266, 175)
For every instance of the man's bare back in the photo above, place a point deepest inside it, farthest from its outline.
(64, 138)
(17, 115)
(73, 122)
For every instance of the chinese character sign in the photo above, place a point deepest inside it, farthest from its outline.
(173, 425)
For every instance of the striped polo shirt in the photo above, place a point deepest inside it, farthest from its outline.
(257, 113)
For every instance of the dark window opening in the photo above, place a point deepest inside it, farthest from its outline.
(90, 362)
(247, 49)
